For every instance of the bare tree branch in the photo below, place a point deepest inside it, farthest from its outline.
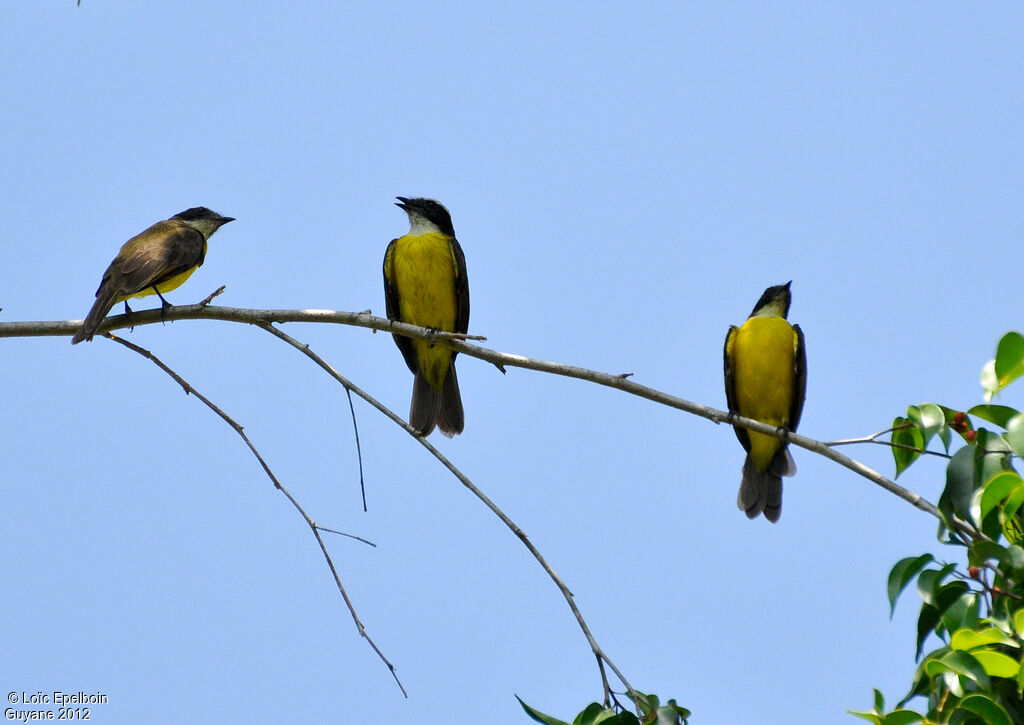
(464, 480)
(458, 342)
(314, 527)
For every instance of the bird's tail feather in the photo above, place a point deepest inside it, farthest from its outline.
(760, 492)
(783, 463)
(105, 299)
(425, 407)
(452, 419)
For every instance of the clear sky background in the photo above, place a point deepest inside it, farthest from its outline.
(625, 179)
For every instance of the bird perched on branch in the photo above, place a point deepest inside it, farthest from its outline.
(766, 380)
(425, 284)
(158, 260)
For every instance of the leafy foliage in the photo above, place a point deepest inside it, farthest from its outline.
(651, 710)
(976, 610)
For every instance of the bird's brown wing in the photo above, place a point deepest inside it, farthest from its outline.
(161, 252)
(394, 309)
(461, 288)
(796, 408)
(730, 387)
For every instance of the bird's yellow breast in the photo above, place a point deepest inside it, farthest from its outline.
(165, 286)
(425, 270)
(762, 356)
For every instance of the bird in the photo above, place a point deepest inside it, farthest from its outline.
(425, 284)
(155, 261)
(766, 380)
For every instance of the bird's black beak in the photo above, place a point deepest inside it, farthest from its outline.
(401, 203)
(226, 219)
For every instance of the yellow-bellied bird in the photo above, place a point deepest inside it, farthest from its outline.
(766, 380)
(156, 261)
(425, 284)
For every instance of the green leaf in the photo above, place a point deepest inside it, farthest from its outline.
(956, 497)
(958, 606)
(946, 432)
(926, 621)
(988, 379)
(1015, 434)
(610, 717)
(952, 682)
(1015, 498)
(1013, 529)
(967, 665)
(539, 716)
(601, 716)
(948, 413)
(994, 453)
(623, 718)
(901, 574)
(946, 436)
(977, 499)
(648, 702)
(1009, 363)
(1018, 621)
(929, 582)
(902, 717)
(591, 714)
(906, 434)
(991, 712)
(962, 664)
(928, 417)
(982, 551)
(968, 639)
(1014, 558)
(1014, 501)
(997, 664)
(996, 490)
(873, 715)
(671, 713)
(998, 414)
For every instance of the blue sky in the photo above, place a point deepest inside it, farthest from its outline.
(625, 179)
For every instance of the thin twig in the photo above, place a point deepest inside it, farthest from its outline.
(359, 448)
(873, 438)
(209, 298)
(189, 390)
(870, 438)
(598, 652)
(351, 536)
(890, 444)
(608, 694)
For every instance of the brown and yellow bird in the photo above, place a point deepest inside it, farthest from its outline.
(425, 284)
(158, 260)
(766, 380)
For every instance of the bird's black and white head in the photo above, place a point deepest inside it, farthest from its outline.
(774, 302)
(203, 220)
(426, 216)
